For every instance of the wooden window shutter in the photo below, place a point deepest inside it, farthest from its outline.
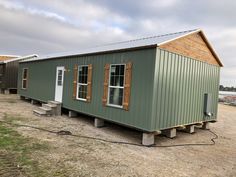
(127, 86)
(105, 84)
(75, 81)
(89, 91)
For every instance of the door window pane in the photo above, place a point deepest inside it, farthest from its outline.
(59, 77)
(59, 83)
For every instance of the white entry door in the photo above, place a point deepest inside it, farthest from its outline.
(59, 83)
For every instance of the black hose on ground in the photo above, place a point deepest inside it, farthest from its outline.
(68, 133)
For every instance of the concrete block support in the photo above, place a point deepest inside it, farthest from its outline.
(7, 91)
(72, 114)
(189, 129)
(33, 102)
(170, 133)
(206, 126)
(98, 122)
(148, 139)
(58, 108)
(22, 97)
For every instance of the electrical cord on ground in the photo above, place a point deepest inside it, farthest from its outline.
(68, 133)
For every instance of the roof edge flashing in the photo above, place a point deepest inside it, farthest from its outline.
(88, 53)
(192, 32)
(21, 58)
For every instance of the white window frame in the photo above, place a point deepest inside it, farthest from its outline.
(78, 84)
(24, 79)
(109, 86)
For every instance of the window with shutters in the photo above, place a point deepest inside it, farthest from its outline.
(82, 82)
(25, 78)
(116, 85)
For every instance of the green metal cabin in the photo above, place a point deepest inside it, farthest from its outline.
(151, 84)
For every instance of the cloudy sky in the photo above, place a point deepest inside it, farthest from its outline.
(45, 27)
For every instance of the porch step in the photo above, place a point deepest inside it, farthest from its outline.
(43, 111)
(49, 106)
(47, 110)
(52, 108)
(54, 102)
(57, 109)
(39, 112)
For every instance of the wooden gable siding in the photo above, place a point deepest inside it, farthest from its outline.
(192, 46)
(3, 58)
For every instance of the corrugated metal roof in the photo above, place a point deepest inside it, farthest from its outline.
(142, 42)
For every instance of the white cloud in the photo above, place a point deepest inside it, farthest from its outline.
(30, 10)
(166, 3)
(44, 27)
(45, 13)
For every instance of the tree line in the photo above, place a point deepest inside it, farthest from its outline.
(231, 89)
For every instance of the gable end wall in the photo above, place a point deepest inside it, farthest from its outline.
(192, 46)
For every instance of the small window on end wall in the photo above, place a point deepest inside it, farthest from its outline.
(25, 78)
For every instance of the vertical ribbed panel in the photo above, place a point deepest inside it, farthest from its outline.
(9, 75)
(176, 96)
(179, 88)
(42, 76)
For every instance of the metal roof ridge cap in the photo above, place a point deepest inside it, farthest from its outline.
(192, 32)
(149, 37)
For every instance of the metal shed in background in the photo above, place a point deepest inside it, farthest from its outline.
(152, 84)
(9, 72)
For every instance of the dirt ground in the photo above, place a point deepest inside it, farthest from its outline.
(74, 156)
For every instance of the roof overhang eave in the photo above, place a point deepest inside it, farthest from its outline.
(89, 53)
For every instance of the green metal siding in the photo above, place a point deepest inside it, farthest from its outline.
(179, 87)
(41, 85)
(167, 89)
(8, 78)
